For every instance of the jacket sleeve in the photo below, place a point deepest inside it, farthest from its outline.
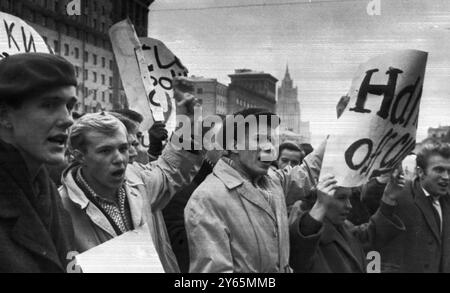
(173, 171)
(382, 227)
(303, 247)
(297, 182)
(208, 237)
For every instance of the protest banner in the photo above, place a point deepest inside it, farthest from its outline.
(16, 36)
(134, 73)
(163, 66)
(131, 252)
(377, 129)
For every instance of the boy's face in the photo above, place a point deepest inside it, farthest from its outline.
(39, 126)
(341, 207)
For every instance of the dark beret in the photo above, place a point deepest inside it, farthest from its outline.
(27, 74)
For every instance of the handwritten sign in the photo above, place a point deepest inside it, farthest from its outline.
(16, 36)
(133, 72)
(163, 66)
(131, 252)
(377, 130)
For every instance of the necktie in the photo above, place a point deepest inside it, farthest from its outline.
(435, 211)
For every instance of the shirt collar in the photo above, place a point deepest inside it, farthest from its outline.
(427, 194)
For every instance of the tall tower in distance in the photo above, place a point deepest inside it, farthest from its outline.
(288, 108)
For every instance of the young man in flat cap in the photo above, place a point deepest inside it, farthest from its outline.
(37, 94)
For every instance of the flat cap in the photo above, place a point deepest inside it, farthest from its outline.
(26, 74)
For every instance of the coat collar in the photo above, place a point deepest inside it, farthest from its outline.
(77, 196)
(426, 208)
(232, 179)
(28, 230)
(331, 234)
(12, 162)
(228, 175)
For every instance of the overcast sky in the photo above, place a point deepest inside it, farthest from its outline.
(323, 41)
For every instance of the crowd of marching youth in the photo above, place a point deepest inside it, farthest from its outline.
(72, 183)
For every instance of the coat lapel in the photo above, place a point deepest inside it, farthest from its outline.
(255, 196)
(35, 237)
(28, 230)
(424, 205)
(77, 196)
(331, 234)
(136, 203)
(233, 180)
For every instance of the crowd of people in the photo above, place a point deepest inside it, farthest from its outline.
(69, 183)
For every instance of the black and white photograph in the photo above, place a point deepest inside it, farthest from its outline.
(237, 136)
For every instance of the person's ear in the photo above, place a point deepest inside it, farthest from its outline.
(78, 156)
(420, 172)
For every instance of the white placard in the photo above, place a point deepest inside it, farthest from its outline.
(378, 127)
(131, 252)
(16, 36)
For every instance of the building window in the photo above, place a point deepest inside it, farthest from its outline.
(95, 59)
(103, 96)
(200, 91)
(103, 62)
(103, 79)
(95, 95)
(110, 98)
(86, 74)
(110, 81)
(111, 64)
(77, 53)
(66, 50)
(95, 76)
(86, 56)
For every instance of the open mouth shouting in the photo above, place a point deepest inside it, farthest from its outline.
(59, 139)
(118, 174)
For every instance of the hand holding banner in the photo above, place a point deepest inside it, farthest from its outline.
(377, 130)
(163, 66)
(133, 72)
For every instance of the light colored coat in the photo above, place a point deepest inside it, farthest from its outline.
(149, 188)
(231, 227)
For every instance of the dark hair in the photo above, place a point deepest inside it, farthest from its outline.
(130, 114)
(289, 145)
(307, 148)
(430, 149)
(229, 121)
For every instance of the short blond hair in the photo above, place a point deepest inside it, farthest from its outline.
(99, 122)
